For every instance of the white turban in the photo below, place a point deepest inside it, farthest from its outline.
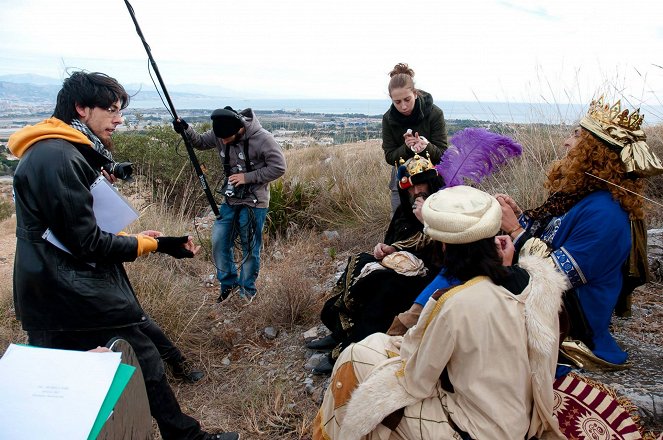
(461, 214)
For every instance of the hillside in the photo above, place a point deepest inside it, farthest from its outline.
(256, 381)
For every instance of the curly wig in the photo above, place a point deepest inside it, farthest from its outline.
(592, 157)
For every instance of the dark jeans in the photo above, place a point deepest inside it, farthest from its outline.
(173, 423)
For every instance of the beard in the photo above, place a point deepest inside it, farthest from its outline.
(424, 195)
(110, 146)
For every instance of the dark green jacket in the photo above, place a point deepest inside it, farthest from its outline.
(427, 119)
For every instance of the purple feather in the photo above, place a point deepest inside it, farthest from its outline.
(475, 153)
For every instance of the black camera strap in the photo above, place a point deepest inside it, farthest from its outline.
(247, 162)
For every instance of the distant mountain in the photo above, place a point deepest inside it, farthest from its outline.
(27, 93)
(27, 78)
(40, 90)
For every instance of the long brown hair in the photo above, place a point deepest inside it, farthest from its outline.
(402, 77)
(593, 156)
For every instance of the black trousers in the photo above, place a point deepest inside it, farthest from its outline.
(168, 351)
(173, 423)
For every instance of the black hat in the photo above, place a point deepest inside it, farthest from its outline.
(226, 122)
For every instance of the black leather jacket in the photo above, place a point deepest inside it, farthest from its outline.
(54, 290)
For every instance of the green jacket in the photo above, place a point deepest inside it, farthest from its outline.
(427, 119)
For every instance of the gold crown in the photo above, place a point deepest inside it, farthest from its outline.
(417, 164)
(614, 115)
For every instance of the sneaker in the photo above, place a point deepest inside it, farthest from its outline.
(247, 298)
(186, 371)
(222, 436)
(225, 293)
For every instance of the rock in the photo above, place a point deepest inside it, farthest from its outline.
(331, 235)
(314, 360)
(308, 386)
(310, 334)
(278, 255)
(655, 253)
(270, 333)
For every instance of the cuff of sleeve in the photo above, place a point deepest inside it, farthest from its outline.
(146, 244)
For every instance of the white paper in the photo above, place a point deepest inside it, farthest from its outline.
(112, 211)
(52, 394)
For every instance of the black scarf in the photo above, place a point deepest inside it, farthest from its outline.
(413, 118)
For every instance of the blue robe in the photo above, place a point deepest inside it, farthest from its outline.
(590, 244)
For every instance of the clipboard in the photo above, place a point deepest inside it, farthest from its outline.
(112, 211)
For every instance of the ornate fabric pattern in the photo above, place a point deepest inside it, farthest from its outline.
(568, 266)
(588, 412)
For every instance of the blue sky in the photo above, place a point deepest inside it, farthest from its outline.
(485, 50)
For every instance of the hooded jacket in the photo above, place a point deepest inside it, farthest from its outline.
(55, 290)
(426, 118)
(265, 155)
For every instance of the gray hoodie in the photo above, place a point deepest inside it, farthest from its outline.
(265, 155)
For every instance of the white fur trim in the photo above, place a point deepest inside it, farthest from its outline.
(542, 308)
(373, 400)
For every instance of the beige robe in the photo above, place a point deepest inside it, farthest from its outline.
(499, 351)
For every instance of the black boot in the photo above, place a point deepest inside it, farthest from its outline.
(324, 344)
(186, 371)
(325, 366)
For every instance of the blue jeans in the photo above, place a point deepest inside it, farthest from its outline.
(247, 223)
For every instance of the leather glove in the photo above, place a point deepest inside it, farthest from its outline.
(179, 125)
(174, 246)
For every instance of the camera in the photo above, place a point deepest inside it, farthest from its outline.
(121, 170)
(232, 191)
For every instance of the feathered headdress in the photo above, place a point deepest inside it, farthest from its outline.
(475, 153)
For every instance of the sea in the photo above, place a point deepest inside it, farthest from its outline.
(504, 112)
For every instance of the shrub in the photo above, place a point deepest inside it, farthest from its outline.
(6, 209)
(160, 158)
(288, 203)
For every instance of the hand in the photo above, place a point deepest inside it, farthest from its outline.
(417, 143)
(237, 179)
(101, 350)
(179, 125)
(111, 178)
(151, 233)
(409, 138)
(381, 250)
(509, 219)
(178, 247)
(509, 201)
(416, 208)
(191, 246)
(505, 249)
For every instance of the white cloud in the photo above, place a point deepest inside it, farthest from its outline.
(490, 50)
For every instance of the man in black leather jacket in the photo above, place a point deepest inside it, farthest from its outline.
(82, 299)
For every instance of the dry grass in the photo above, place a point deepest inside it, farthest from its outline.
(255, 384)
(354, 185)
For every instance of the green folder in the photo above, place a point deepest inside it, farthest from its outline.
(120, 381)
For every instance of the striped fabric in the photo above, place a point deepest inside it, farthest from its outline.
(587, 411)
